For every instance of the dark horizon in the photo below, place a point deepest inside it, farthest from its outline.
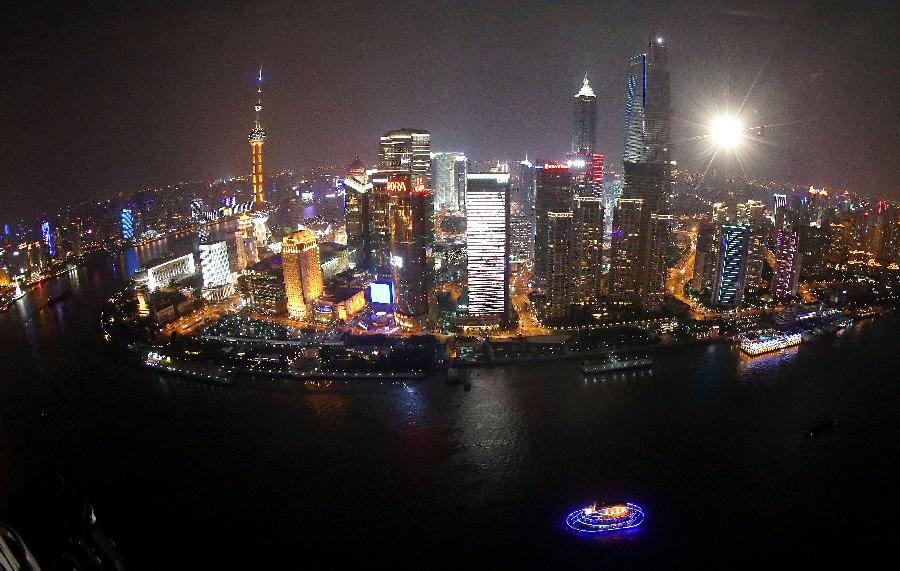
(104, 101)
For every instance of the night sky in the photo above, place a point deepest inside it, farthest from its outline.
(107, 100)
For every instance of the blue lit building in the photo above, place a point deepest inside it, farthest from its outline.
(731, 266)
(47, 238)
(127, 224)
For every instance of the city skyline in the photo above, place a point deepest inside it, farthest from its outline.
(195, 88)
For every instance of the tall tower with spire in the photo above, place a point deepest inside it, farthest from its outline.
(584, 137)
(257, 138)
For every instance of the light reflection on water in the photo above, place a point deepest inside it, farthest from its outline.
(500, 464)
(753, 365)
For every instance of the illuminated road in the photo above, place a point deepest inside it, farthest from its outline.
(683, 272)
(518, 293)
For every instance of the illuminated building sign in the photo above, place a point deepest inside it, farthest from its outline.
(398, 184)
(419, 185)
(380, 292)
(556, 167)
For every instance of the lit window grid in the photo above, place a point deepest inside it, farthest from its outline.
(486, 248)
(214, 264)
(733, 241)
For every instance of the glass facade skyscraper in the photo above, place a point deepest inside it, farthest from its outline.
(449, 173)
(647, 173)
(584, 133)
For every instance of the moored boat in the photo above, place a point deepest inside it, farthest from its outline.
(615, 363)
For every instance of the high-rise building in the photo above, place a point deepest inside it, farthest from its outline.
(587, 234)
(658, 105)
(357, 212)
(449, 173)
(612, 191)
(648, 182)
(648, 178)
(731, 266)
(262, 287)
(487, 246)
(257, 138)
(302, 273)
(521, 239)
(215, 271)
(780, 202)
(525, 187)
(587, 174)
(787, 254)
(127, 224)
(840, 240)
(584, 137)
(214, 263)
(247, 251)
(719, 213)
(635, 101)
(48, 238)
(406, 151)
(626, 248)
(558, 269)
(554, 194)
(411, 237)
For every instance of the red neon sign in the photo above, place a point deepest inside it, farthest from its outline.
(419, 185)
(397, 184)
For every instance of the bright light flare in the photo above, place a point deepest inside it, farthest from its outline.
(726, 132)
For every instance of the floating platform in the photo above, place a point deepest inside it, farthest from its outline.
(600, 518)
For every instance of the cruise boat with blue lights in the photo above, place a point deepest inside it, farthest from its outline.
(600, 518)
(767, 341)
(614, 363)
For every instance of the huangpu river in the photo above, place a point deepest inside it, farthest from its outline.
(426, 475)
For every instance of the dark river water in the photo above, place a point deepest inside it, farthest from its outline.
(429, 476)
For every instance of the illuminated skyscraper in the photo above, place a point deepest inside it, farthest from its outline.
(214, 263)
(257, 138)
(406, 151)
(635, 101)
(553, 194)
(584, 137)
(780, 202)
(127, 224)
(731, 266)
(302, 272)
(215, 270)
(612, 191)
(787, 254)
(411, 238)
(647, 177)
(487, 245)
(357, 197)
(626, 247)
(719, 213)
(48, 239)
(558, 267)
(449, 173)
(587, 236)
